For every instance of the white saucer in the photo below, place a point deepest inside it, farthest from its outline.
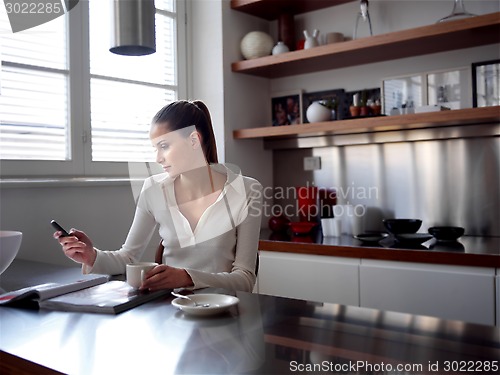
(218, 304)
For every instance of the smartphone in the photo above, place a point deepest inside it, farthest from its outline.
(59, 228)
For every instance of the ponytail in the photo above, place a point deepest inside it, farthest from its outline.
(182, 114)
(208, 136)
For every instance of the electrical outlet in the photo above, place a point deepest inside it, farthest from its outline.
(312, 163)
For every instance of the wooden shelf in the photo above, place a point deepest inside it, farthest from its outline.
(271, 9)
(376, 124)
(439, 37)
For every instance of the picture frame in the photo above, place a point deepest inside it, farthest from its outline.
(400, 94)
(286, 108)
(486, 83)
(450, 88)
(337, 94)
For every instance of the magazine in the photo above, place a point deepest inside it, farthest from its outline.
(33, 295)
(112, 297)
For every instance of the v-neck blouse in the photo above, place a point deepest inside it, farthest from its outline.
(187, 235)
(221, 251)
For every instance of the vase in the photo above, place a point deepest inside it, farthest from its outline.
(458, 12)
(278, 223)
(307, 203)
(279, 48)
(317, 112)
(256, 44)
(311, 40)
(286, 29)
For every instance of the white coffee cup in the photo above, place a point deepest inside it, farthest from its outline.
(135, 272)
(332, 227)
(358, 219)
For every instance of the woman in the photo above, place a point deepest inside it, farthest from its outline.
(208, 214)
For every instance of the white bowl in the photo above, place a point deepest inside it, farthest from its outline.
(218, 303)
(10, 241)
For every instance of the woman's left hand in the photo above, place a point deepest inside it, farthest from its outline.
(166, 277)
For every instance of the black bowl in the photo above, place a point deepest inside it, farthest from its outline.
(412, 238)
(399, 226)
(447, 246)
(446, 233)
(371, 237)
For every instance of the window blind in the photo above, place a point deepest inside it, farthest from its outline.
(34, 92)
(121, 116)
(127, 91)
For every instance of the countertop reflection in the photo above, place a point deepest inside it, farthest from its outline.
(261, 335)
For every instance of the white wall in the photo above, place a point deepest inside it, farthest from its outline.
(205, 62)
(246, 99)
(103, 211)
(235, 101)
(386, 15)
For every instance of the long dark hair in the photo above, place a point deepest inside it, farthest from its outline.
(184, 113)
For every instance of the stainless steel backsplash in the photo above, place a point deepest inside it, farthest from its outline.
(442, 182)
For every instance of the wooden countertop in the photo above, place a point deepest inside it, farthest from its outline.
(468, 251)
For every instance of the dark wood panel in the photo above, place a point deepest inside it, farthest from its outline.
(393, 254)
(12, 365)
(271, 9)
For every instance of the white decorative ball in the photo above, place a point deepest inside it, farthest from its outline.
(256, 44)
(317, 112)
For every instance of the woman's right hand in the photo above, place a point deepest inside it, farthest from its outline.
(78, 247)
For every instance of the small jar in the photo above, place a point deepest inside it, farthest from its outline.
(279, 48)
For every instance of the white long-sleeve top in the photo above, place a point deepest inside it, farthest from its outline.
(221, 252)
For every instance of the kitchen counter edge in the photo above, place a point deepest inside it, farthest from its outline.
(402, 255)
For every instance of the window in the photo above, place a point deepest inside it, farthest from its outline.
(68, 106)
(34, 93)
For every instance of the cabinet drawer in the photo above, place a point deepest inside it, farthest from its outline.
(449, 292)
(310, 277)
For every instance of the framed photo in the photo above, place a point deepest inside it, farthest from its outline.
(486, 83)
(402, 93)
(449, 88)
(286, 108)
(336, 96)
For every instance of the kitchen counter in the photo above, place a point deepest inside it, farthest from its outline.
(261, 335)
(467, 251)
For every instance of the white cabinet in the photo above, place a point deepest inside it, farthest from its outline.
(310, 277)
(497, 286)
(451, 292)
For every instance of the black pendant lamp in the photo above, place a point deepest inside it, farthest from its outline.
(133, 32)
